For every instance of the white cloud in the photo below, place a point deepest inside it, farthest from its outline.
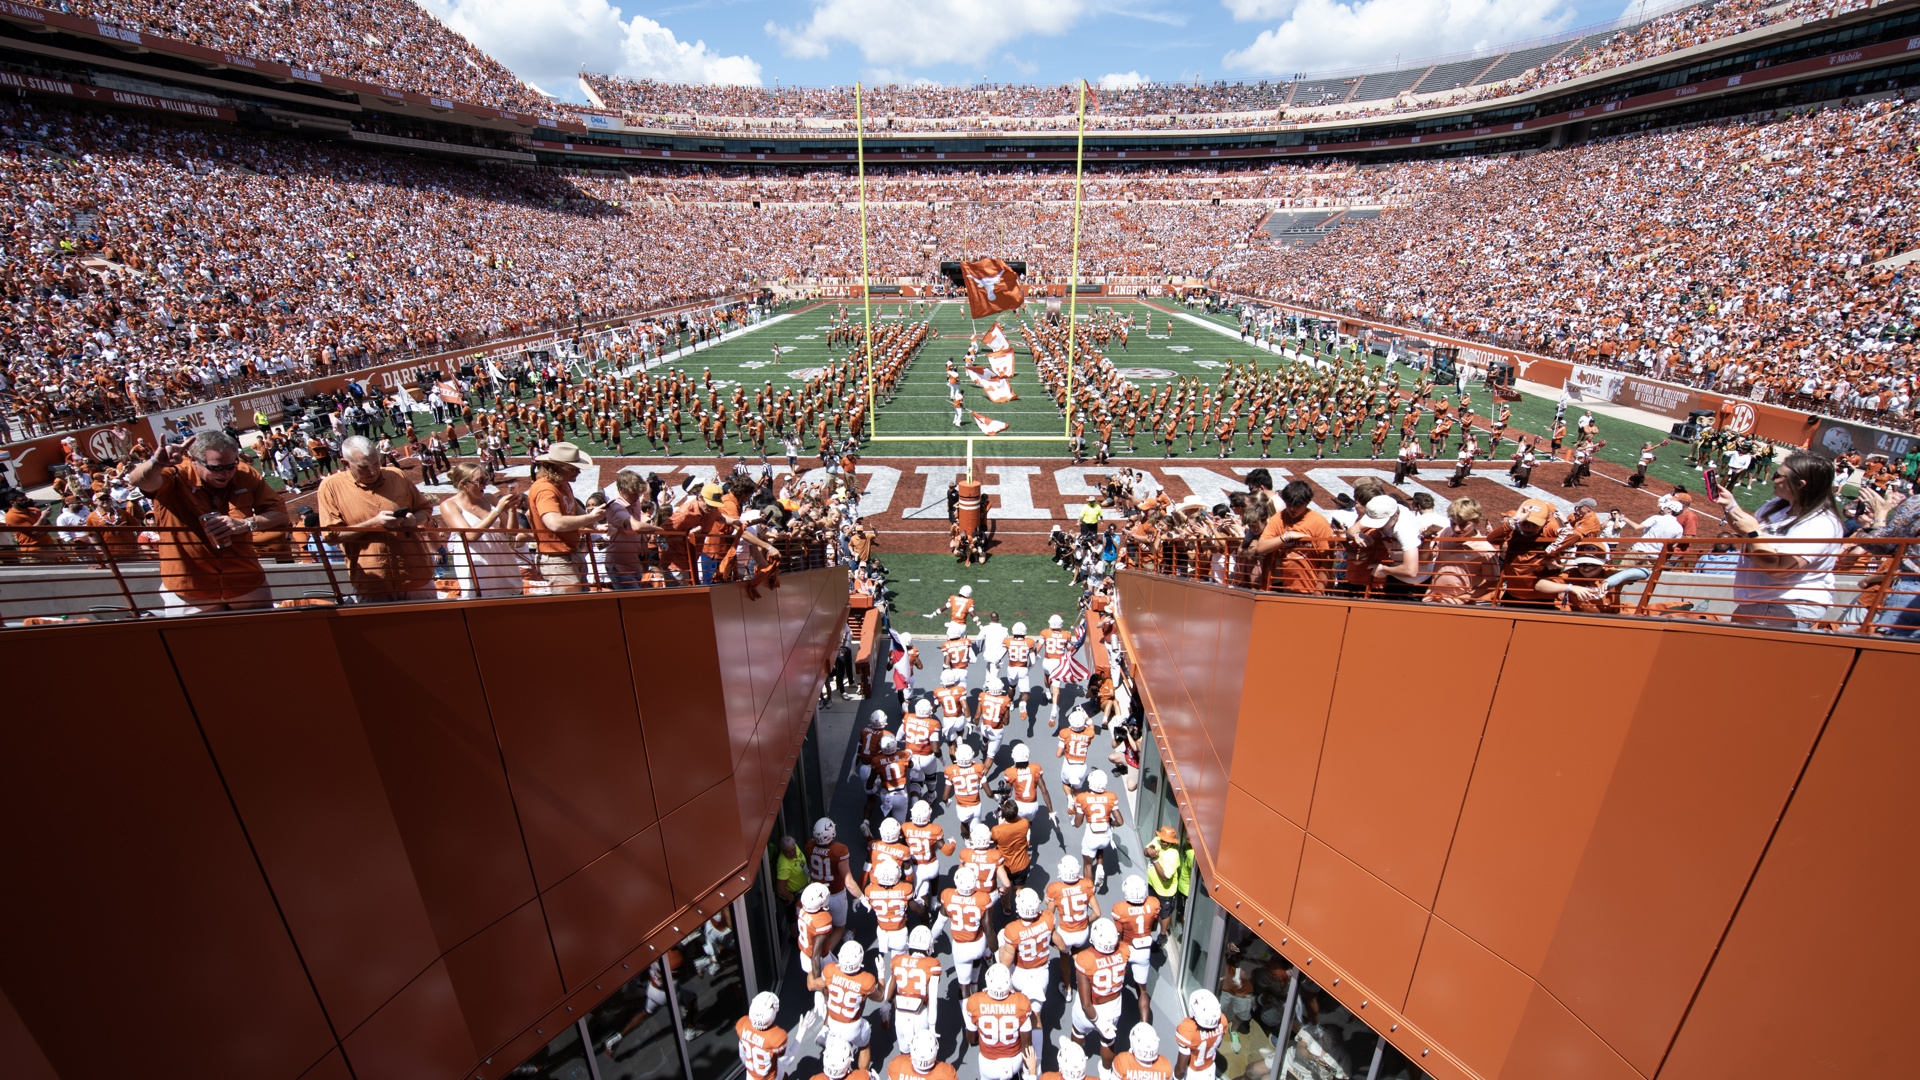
(1115, 80)
(1259, 10)
(1322, 35)
(924, 33)
(551, 41)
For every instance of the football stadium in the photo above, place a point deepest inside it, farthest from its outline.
(1382, 573)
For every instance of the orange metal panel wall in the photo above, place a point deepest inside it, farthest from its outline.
(404, 851)
(124, 861)
(1526, 836)
(1829, 919)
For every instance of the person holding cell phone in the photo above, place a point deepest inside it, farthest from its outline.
(376, 514)
(1784, 579)
(207, 504)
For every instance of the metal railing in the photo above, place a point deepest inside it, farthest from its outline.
(55, 575)
(1868, 586)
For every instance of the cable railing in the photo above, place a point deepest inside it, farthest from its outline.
(1864, 586)
(54, 575)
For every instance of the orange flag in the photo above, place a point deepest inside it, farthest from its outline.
(988, 425)
(992, 286)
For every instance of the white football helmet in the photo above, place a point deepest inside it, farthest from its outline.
(886, 872)
(966, 590)
(999, 982)
(963, 754)
(1144, 1043)
(888, 744)
(814, 896)
(1021, 755)
(925, 1051)
(1134, 889)
(1019, 629)
(922, 813)
(764, 1010)
(889, 830)
(920, 939)
(1026, 904)
(923, 707)
(1104, 935)
(1077, 719)
(837, 1059)
(1097, 781)
(851, 957)
(952, 677)
(1053, 622)
(966, 880)
(878, 719)
(1069, 869)
(981, 837)
(824, 831)
(1205, 1009)
(1072, 1059)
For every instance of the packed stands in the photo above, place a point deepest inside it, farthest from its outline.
(151, 265)
(1735, 256)
(1495, 73)
(387, 42)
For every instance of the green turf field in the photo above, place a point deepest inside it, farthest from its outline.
(1020, 587)
(918, 422)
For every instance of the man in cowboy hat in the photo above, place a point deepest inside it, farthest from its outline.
(558, 517)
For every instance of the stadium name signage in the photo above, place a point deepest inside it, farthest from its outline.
(117, 97)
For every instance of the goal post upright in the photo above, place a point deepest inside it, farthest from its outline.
(866, 273)
(1073, 271)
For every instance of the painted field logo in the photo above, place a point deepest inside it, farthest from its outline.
(1144, 373)
(803, 374)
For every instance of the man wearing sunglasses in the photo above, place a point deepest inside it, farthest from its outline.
(207, 504)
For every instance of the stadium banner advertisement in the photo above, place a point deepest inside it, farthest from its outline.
(1592, 383)
(265, 402)
(1832, 438)
(1655, 397)
(208, 415)
(31, 461)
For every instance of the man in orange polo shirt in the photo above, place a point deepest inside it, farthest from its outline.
(23, 514)
(376, 514)
(558, 517)
(207, 505)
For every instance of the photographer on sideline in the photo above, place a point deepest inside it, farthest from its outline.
(375, 513)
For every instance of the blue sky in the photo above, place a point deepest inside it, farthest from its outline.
(834, 42)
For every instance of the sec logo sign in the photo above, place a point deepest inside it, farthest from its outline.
(100, 445)
(1740, 418)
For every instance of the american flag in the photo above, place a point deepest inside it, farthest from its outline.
(901, 667)
(1071, 669)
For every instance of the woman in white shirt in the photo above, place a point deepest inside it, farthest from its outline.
(483, 557)
(1784, 580)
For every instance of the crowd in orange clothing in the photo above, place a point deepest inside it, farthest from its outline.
(1738, 257)
(150, 266)
(1019, 107)
(392, 43)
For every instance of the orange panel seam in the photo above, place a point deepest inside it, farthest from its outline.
(1453, 834)
(1772, 834)
(1326, 722)
(519, 824)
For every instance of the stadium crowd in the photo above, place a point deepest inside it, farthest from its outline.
(1005, 107)
(1737, 257)
(393, 43)
(149, 265)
